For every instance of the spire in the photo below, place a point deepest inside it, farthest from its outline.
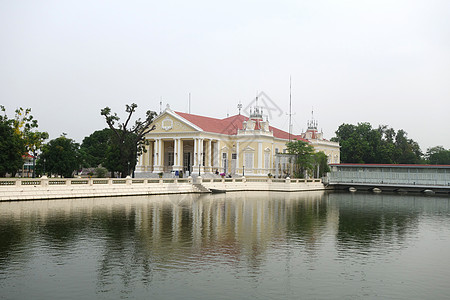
(312, 124)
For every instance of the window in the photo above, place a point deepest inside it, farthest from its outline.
(276, 150)
(224, 155)
(248, 161)
(266, 161)
(170, 159)
(233, 156)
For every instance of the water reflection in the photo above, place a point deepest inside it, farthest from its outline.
(132, 240)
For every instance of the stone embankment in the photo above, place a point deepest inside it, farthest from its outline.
(16, 189)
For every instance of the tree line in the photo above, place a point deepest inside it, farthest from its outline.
(362, 143)
(114, 149)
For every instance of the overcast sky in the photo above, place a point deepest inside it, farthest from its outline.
(383, 62)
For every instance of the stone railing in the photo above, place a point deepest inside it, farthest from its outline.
(262, 179)
(60, 188)
(44, 181)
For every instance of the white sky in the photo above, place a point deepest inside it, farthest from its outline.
(383, 62)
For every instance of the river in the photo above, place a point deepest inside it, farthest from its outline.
(241, 245)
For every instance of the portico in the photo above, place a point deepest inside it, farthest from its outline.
(188, 154)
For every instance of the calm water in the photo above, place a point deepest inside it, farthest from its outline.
(229, 246)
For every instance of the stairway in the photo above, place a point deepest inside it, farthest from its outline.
(200, 188)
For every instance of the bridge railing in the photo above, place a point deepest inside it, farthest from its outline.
(406, 178)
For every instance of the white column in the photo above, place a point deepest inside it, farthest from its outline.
(277, 160)
(260, 157)
(160, 153)
(180, 153)
(139, 162)
(157, 155)
(201, 152)
(208, 161)
(149, 157)
(175, 152)
(200, 155)
(217, 153)
(195, 162)
(237, 157)
(272, 159)
(155, 150)
(195, 152)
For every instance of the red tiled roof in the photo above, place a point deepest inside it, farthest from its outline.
(230, 125)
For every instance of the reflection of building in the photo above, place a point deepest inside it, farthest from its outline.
(315, 138)
(198, 144)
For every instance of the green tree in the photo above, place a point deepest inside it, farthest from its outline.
(94, 148)
(438, 156)
(354, 142)
(320, 163)
(363, 144)
(303, 157)
(12, 146)
(129, 141)
(26, 127)
(60, 156)
(408, 151)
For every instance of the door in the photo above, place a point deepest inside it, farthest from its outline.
(187, 162)
(233, 163)
(225, 162)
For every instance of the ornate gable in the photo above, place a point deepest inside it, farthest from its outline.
(168, 122)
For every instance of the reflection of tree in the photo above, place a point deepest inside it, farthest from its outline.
(366, 222)
(13, 236)
(119, 251)
(61, 230)
(305, 218)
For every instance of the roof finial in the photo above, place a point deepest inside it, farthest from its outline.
(239, 106)
(312, 124)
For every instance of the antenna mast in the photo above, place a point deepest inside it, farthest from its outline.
(290, 107)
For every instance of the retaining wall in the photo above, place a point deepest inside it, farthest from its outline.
(16, 189)
(263, 184)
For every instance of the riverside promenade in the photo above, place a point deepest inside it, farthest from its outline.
(17, 189)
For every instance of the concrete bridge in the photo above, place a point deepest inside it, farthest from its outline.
(393, 178)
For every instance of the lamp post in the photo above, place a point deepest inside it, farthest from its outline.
(128, 169)
(34, 164)
(243, 170)
(44, 166)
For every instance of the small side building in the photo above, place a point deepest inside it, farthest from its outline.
(316, 139)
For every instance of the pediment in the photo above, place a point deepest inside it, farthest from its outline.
(170, 122)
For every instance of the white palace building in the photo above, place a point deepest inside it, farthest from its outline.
(240, 145)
